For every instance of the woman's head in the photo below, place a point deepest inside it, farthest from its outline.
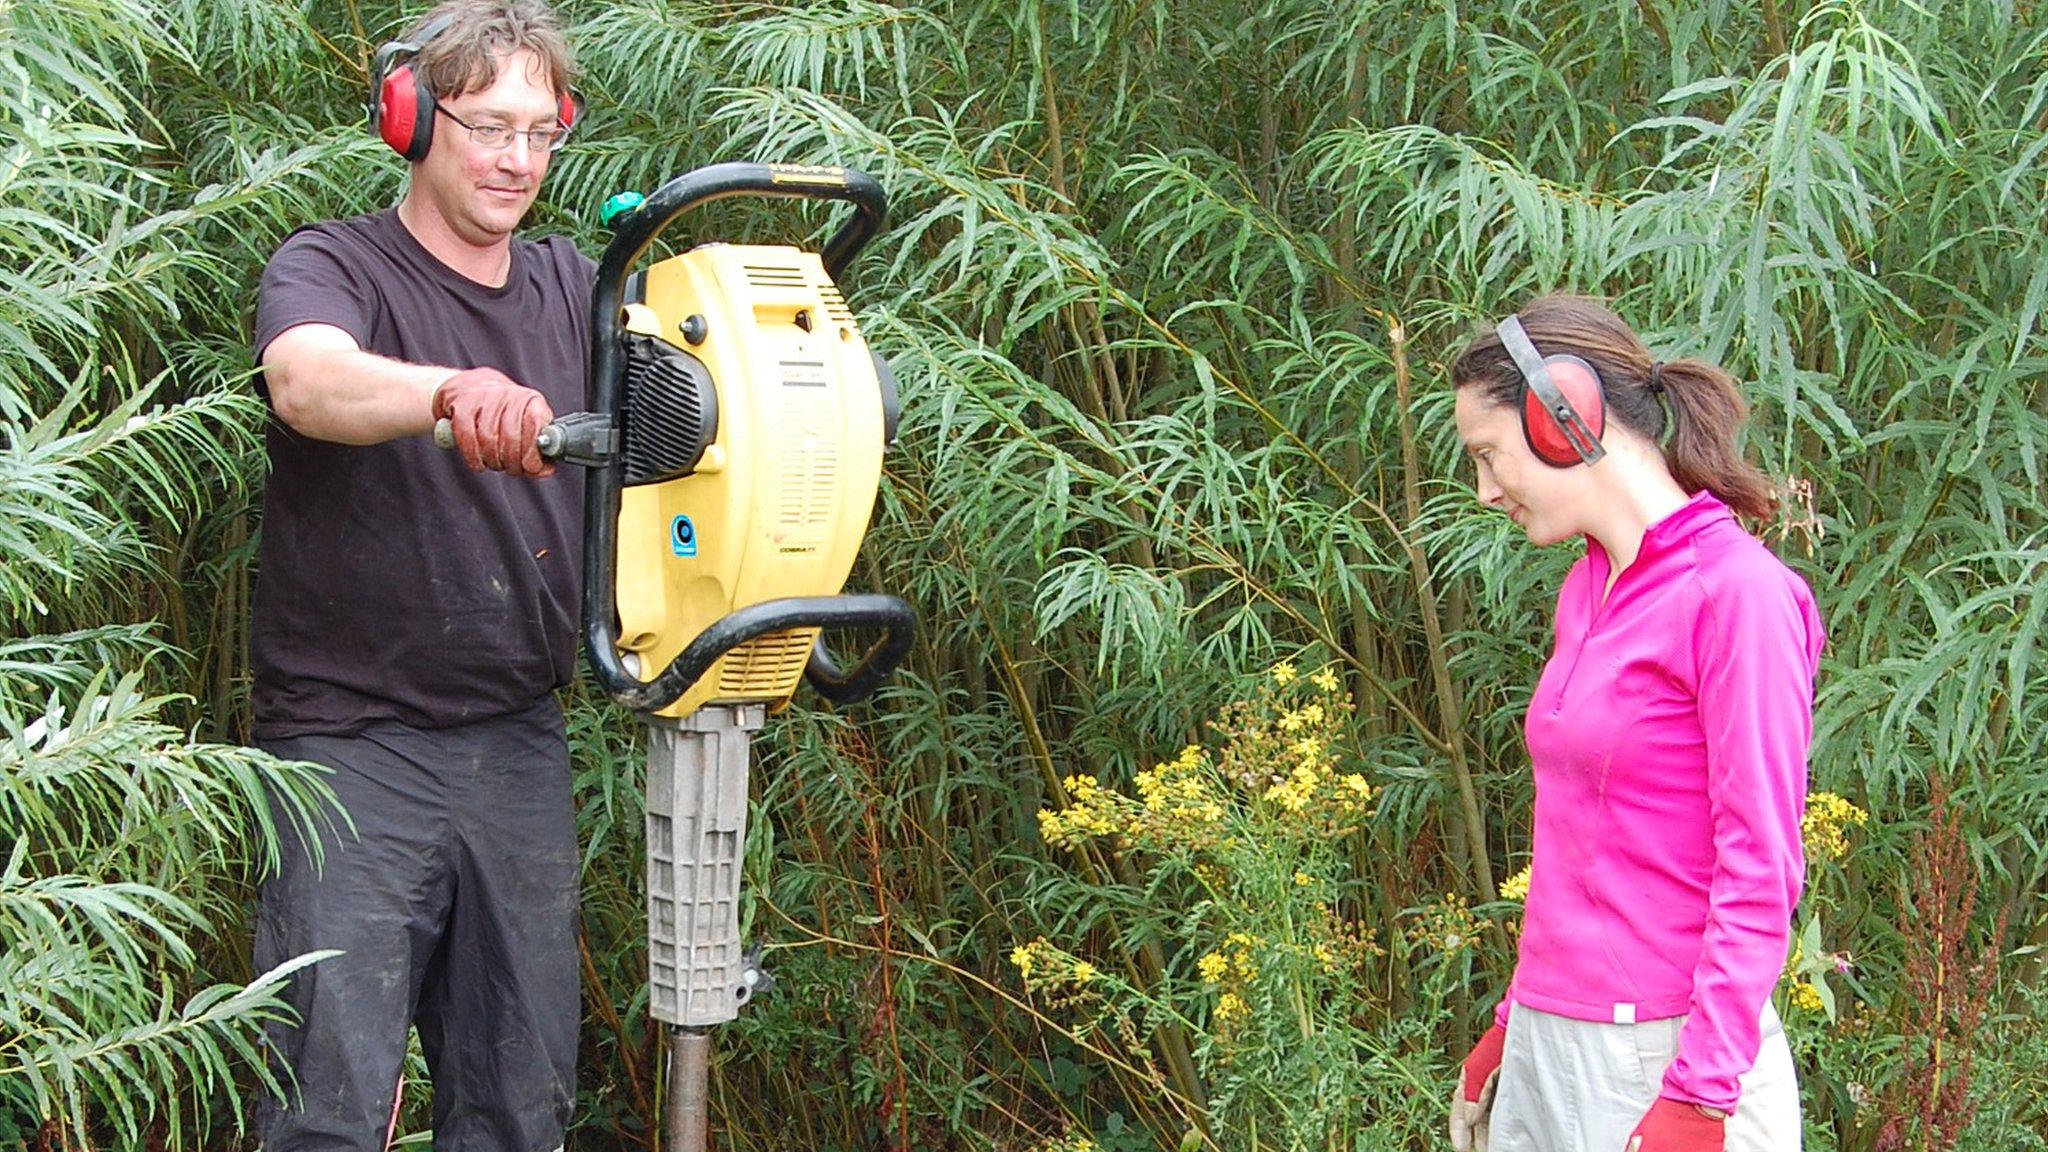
(1699, 440)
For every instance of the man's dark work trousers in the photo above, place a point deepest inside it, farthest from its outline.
(455, 907)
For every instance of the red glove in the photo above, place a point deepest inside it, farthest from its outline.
(1472, 1104)
(1676, 1126)
(496, 421)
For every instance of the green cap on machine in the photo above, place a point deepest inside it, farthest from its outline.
(619, 204)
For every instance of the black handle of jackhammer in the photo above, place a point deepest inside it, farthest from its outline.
(867, 610)
(883, 657)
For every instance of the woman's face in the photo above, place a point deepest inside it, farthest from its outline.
(1543, 500)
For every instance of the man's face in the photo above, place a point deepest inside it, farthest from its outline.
(483, 193)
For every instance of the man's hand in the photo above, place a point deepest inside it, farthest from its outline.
(496, 420)
(1472, 1103)
(1676, 1126)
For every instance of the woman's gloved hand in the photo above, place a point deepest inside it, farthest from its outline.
(496, 421)
(1472, 1103)
(1676, 1126)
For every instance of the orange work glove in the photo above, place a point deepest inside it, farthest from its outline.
(496, 421)
(1676, 1126)
(1472, 1103)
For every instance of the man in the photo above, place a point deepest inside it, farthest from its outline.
(415, 609)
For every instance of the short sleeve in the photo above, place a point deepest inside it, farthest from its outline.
(308, 281)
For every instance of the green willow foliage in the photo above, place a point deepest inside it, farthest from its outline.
(1170, 288)
(121, 837)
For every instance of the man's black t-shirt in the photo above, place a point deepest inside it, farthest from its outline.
(395, 583)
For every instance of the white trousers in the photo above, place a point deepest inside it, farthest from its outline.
(1583, 1085)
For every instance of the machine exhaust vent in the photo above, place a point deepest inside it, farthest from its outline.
(835, 305)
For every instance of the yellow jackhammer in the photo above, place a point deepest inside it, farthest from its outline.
(734, 449)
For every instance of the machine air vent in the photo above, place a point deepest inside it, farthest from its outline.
(775, 275)
(768, 668)
(671, 411)
(835, 305)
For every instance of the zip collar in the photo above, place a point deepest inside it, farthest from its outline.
(1662, 537)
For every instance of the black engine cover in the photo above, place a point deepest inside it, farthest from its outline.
(671, 411)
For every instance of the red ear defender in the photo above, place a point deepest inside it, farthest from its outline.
(406, 121)
(1564, 411)
(401, 107)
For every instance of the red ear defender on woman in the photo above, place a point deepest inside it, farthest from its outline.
(1564, 410)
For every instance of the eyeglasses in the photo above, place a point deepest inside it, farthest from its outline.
(497, 137)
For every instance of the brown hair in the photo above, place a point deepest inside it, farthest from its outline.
(1704, 449)
(464, 54)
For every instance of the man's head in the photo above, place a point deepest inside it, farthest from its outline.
(499, 74)
(466, 52)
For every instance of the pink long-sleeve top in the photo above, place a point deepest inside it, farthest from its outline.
(1669, 735)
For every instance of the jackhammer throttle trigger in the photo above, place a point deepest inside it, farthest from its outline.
(585, 439)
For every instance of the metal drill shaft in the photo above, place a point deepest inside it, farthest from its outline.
(688, 1123)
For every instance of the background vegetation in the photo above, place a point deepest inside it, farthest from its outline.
(1170, 290)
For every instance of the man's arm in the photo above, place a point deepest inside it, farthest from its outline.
(324, 386)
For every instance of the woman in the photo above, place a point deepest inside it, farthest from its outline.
(1668, 736)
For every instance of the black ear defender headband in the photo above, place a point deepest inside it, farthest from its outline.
(1564, 410)
(401, 106)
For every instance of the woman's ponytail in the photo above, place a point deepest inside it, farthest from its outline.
(1704, 449)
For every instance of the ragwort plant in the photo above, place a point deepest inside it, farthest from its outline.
(1238, 850)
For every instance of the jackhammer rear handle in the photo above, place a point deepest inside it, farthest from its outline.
(893, 616)
(633, 232)
(584, 438)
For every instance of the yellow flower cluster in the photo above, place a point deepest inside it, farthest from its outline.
(1091, 811)
(1803, 996)
(1516, 887)
(1045, 967)
(1027, 957)
(1339, 945)
(1310, 715)
(1828, 818)
(1286, 758)
(1312, 781)
(1177, 805)
(1232, 968)
(1237, 959)
(1071, 1142)
(1447, 926)
(1177, 792)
